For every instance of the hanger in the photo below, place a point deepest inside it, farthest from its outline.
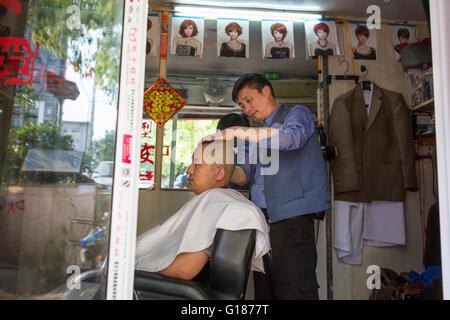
(366, 84)
(327, 78)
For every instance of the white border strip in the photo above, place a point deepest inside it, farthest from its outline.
(127, 158)
(439, 10)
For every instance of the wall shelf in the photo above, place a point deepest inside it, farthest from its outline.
(425, 106)
(427, 140)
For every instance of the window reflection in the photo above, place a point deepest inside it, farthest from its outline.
(181, 136)
(59, 73)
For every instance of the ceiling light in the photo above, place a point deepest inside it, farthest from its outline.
(246, 4)
(244, 13)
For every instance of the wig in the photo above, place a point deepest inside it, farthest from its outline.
(362, 30)
(149, 24)
(279, 27)
(233, 26)
(187, 23)
(321, 26)
(403, 32)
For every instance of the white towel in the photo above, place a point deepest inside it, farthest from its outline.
(358, 224)
(193, 227)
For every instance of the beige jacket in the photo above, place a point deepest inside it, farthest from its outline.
(376, 160)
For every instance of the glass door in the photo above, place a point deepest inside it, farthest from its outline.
(59, 96)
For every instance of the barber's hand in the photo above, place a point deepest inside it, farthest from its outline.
(210, 137)
(221, 135)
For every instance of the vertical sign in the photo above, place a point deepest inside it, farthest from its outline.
(148, 142)
(164, 36)
(127, 158)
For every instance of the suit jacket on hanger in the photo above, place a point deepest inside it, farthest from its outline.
(376, 160)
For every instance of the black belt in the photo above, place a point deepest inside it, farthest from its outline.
(316, 215)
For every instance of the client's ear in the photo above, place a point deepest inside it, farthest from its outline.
(220, 173)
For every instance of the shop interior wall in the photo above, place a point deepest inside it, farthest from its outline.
(349, 281)
(155, 206)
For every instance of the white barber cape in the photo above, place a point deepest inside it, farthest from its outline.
(193, 227)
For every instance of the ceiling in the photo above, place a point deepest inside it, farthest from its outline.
(209, 65)
(390, 9)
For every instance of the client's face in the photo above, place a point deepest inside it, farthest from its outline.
(201, 174)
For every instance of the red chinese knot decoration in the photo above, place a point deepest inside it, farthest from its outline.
(162, 102)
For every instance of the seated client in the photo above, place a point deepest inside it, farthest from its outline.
(182, 245)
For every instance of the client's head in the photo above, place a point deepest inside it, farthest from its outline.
(212, 166)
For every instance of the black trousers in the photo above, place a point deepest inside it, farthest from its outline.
(291, 267)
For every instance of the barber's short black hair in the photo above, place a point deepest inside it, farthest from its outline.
(253, 81)
(231, 120)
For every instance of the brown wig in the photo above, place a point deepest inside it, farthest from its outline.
(187, 23)
(233, 26)
(321, 26)
(362, 30)
(279, 27)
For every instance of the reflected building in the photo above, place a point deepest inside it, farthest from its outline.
(79, 133)
(49, 88)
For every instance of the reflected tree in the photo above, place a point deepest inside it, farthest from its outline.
(40, 136)
(189, 134)
(100, 150)
(86, 32)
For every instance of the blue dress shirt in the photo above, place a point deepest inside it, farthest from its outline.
(297, 128)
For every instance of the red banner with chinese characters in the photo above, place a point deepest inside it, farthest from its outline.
(164, 36)
(16, 65)
(13, 5)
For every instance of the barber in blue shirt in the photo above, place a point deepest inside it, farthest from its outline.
(289, 196)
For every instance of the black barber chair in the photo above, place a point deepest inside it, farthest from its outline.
(229, 270)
